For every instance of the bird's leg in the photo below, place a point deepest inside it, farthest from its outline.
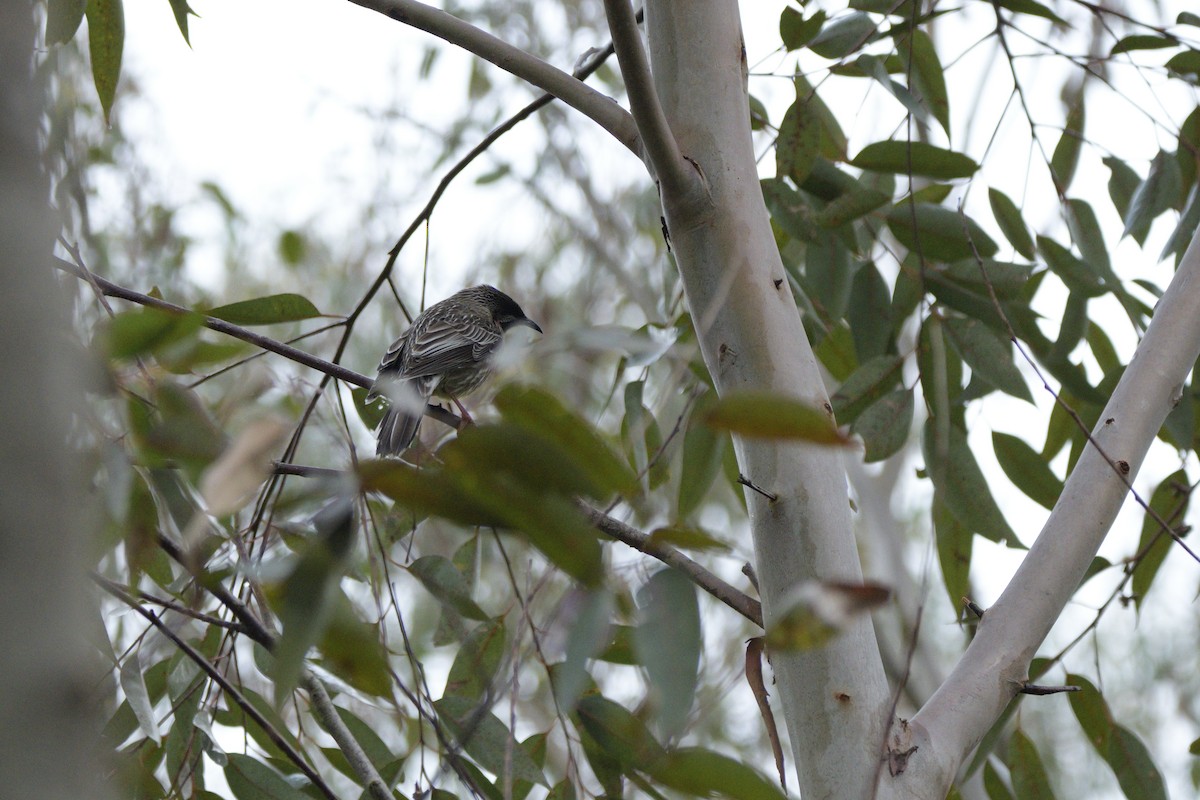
(466, 416)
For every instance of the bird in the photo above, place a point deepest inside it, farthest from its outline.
(446, 351)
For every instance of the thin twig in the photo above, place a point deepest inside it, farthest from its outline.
(230, 690)
(583, 98)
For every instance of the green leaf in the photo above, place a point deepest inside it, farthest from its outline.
(1187, 18)
(667, 642)
(993, 784)
(1012, 225)
(915, 158)
(371, 743)
(885, 425)
(1028, 776)
(843, 36)
(1189, 220)
(833, 139)
(251, 779)
(267, 310)
(106, 40)
(474, 669)
(586, 637)
(1078, 276)
(954, 544)
(447, 584)
(988, 355)
(955, 472)
(766, 415)
(849, 206)
(539, 411)
(62, 19)
(938, 233)
(620, 734)
(1157, 193)
(133, 684)
(1122, 183)
(182, 10)
(866, 386)
(795, 30)
(487, 740)
(1142, 42)
(1170, 502)
(1033, 8)
(685, 538)
(1185, 63)
(926, 77)
(1028, 471)
(147, 330)
(1118, 746)
(869, 314)
(703, 451)
(877, 69)
(704, 773)
(798, 144)
(1089, 238)
(425, 491)
(1066, 153)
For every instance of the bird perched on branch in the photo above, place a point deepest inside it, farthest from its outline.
(447, 351)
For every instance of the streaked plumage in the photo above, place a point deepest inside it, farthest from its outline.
(446, 351)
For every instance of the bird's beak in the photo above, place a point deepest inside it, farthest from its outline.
(528, 323)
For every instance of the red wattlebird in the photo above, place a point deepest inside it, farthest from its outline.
(446, 351)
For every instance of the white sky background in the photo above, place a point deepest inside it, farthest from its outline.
(278, 103)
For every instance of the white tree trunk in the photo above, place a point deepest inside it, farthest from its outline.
(46, 687)
(835, 699)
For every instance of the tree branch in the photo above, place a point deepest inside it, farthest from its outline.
(995, 665)
(740, 602)
(258, 340)
(598, 107)
(667, 163)
(230, 690)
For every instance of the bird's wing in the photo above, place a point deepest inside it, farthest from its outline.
(445, 344)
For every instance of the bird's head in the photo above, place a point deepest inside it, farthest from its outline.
(505, 310)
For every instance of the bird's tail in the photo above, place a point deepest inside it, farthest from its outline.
(396, 432)
(406, 406)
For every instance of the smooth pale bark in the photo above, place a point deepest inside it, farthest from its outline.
(835, 699)
(992, 670)
(47, 680)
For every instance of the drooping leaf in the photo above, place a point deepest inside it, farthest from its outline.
(1028, 471)
(620, 734)
(267, 310)
(850, 206)
(988, 355)
(877, 68)
(1033, 8)
(1012, 225)
(487, 740)
(1121, 749)
(1078, 276)
(870, 314)
(477, 662)
(843, 36)
(538, 410)
(703, 451)
(798, 144)
(182, 11)
(938, 233)
(795, 30)
(956, 473)
(148, 330)
(885, 426)
(447, 584)
(955, 542)
(865, 386)
(251, 779)
(586, 637)
(927, 79)
(106, 41)
(814, 612)
(1066, 153)
(667, 642)
(772, 416)
(352, 649)
(133, 684)
(1025, 768)
(1158, 192)
(63, 18)
(704, 773)
(1170, 502)
(915, 158)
